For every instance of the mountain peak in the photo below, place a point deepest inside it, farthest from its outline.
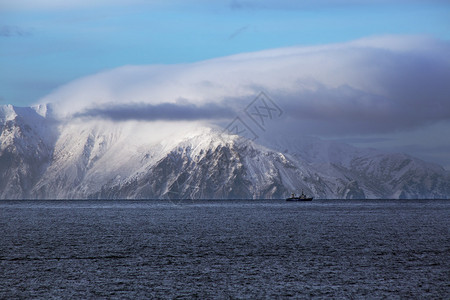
(7, 113)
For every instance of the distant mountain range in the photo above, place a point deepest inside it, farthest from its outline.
(43, 158)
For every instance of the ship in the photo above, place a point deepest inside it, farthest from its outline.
(302, 197)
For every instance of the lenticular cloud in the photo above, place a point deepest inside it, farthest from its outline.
(371, 85)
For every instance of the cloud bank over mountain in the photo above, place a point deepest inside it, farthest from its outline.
(373, 85)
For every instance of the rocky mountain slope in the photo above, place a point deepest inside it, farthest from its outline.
(42, 158)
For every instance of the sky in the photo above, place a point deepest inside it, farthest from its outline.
(371, 73)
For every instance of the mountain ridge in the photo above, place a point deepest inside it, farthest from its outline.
(42, 158)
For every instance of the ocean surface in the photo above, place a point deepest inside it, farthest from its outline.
(225, 249)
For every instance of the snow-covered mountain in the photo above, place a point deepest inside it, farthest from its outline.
(42, 158)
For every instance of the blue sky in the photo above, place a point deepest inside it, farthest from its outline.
(44, 44)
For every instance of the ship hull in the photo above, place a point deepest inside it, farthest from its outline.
(299, 199)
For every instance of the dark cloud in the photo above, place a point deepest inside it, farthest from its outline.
(344, 110)
(238, 32)
(164, 111)
(11, 31)
(364, 140)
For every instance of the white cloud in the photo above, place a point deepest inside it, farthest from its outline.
(317, 4)
(23, 5)
(372, 85)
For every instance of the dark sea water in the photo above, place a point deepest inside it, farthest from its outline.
(225, 249)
